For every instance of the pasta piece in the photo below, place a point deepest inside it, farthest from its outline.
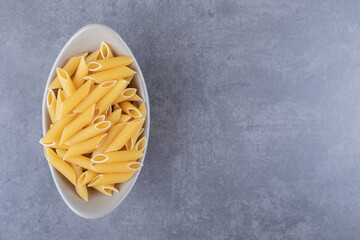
(112, 133)
(89, 132)
(51, 105)
(78, 123)
(81, 190)
(111, 178)
(64, 168)
(128, 130)
(118, 156)
(60, 99)
(106, 189)
(128, 79)
(74, 99)
(104, 64)
(113, 73)
(70, 67)
(108, 99)
(81, 161)
(116, 107)
(124, 118)
(55, 131)
(114, 117)
(126, 94)
(108, 111)
(81, 72)
(93, 56)
(86, 177)
(140, 145)
(105, 51)
(117, 167)
(85, 146)
(130, 109)
(135, 98)
(142, 109)
(65, 82)
(131, 142)
(95, 95)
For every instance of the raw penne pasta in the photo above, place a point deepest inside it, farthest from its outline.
(109, 98)
(86, 177)
(71, 102)
(85, 146)
(89, 132)
(135, 98)
(112, 133)
(51, 105)
(70, 67)
(125, 95)
(142, 109)
(64, 168)
(124, 118)
(81, 190)
(140, 145)
(81, 161)
(59, 100)
(104, 64)
(118, 167)
(114, 117)
(65, 82)
(78, 123)
(95, 95)
(118, 156)
(111, 178)
(130, 144)
(105, 51)
(124, 135)
(55, 131)
(130, 109)
(116, 107)
(97, 119)
(81, 72)
(106, 189)
(108, 111)
(92, 57)
(110, 74)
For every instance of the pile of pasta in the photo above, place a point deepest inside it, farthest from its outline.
(95, 137)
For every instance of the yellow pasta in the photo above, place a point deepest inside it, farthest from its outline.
(95, 95)
(86, 177)
(130, 109)
(116, 106)
(118, 156)
(65, 82)
(135, 98)
(108, 111)
(74, 99)
(124, 135)
(59, 100)
(63, 167)
(140, 145)
(93, 56)
(109, 98)
(117, 167)
(125, 95)
(112, 133)
(81, 72)
(132, 141)
(81, 190)
(85, 146)
(124, 118)
(142, 109)
(78, 123)
(81, 161)
(54, 133)
(105, 51)
(89, 132)
(70, 67)
(106, 189)
(110, 74)
(51, 105)
(104, 64)
(114, 117)
(111, 178)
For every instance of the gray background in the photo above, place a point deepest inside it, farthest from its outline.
(255, 123)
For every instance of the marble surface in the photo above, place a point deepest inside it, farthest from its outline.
(255, 119)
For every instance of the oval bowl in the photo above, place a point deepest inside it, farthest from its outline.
(88, 39)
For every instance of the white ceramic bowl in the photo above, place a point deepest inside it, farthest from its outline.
(88, 39)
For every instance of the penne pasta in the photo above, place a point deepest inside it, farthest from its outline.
(105, 51)
(70, 67)
(116, 107)
(108, 111)
(132, 141)
(124, 118)
(86, 177)
(65, 82)
(71, 102)
(125, 95)
(93, 56)
(81, 72)
(113, 73)
(111, 178)
(142, 109)
(140, 145)
(104, 64)
(130, 109)
(81, 190)
(51, 105)
(59, 100)
(78, 123)
(114, 117)
(118, 167)
(118, 156)
(124, 135)
(128, 79)
(109, 98)
(64, 168)
(106, 189)
(135, 98)
(85, 146)
(81, 161)
(54, 133)
(95, 95)
(112, 133)
(89, 132)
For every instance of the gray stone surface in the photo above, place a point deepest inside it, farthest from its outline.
(255, 119)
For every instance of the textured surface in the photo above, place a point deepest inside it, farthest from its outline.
(255, 119)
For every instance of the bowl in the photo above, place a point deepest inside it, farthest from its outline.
(88, 39)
